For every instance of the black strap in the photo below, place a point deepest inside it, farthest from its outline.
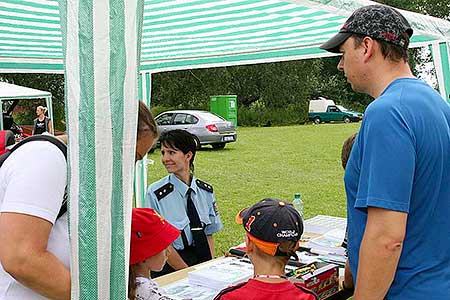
(197, 230)
(184, 239)
(55, 141)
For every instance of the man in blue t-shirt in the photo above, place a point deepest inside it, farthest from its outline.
(397, 179)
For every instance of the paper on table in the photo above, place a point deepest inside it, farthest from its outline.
(229, 271)
(321, 224)
(184, 290)
(328, 243)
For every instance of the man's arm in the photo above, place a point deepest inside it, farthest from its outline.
(379, 253)
(211, 244)
(24, 255)
(175, 260)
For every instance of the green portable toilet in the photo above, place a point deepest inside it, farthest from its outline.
(224, 106)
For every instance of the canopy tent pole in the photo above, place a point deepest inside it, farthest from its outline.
(49, 104)
(140, 177)
(441, 59)
(101, 66)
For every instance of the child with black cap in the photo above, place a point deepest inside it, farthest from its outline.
(273, 230)
(151, 235)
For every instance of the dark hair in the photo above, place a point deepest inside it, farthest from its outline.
(347, 148)
(132, 283)
(146, 122)
(390, 51)
(180, 140)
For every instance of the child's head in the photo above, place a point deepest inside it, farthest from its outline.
(347, 149)
(151, 234)
(274, 227)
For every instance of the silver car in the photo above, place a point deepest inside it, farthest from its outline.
(207, 128)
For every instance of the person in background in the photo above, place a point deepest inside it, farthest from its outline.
(42, 122)
(397, 177)
(151, 236)
(185, 201)
(34, 243)
(273, 229)
(347, 284)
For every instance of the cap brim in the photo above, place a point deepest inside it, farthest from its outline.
(240, 216)
(332, 45)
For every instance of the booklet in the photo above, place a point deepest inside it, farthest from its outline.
(183, 290)
(328, 243)
(227, 272)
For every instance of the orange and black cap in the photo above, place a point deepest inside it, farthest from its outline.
(270, 222)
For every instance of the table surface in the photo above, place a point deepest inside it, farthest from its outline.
(182, 274)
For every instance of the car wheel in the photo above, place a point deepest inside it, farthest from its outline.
(197, 143)
(347, 120)
(317, 120)
(218, 146)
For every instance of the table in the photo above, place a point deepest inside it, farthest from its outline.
(183, 274)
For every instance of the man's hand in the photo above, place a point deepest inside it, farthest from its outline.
(24, 255)
(348, 277)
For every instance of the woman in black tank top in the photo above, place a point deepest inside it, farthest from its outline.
(41, 123)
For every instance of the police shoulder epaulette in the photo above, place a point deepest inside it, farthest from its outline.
(305, 290)
(229, 289)
(204, 185)
(164, 191)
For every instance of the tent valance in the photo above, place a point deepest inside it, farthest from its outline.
(12, 91)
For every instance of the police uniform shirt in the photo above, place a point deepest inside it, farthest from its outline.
(168, 197)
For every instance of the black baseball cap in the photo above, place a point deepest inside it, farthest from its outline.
(270, 222)
(380, 22)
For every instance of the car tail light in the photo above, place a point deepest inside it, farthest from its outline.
(212, 128)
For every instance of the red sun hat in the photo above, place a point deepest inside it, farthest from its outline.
(150, 234)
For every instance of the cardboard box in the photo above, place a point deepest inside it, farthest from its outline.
(324, 280)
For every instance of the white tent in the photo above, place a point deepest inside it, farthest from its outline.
(10, 91)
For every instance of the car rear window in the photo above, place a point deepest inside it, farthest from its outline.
(210, 117)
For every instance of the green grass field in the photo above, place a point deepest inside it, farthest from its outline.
(272, 162)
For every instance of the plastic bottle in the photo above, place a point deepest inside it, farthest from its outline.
(298, 203)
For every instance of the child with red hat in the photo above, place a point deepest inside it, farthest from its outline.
(151, 235)
(273, 230)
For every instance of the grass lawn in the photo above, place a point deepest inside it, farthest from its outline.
(272, 162)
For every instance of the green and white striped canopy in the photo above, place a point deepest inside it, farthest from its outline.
(101, 42)
(185, 34)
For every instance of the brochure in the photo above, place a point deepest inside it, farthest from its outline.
(183, 290)
(227, 272)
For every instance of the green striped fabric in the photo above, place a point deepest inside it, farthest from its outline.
(441, 53)
(101, 41)
(140, 181)
(179, 34)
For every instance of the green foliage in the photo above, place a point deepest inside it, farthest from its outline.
(272, 162)
(440, 8)
(292, 114)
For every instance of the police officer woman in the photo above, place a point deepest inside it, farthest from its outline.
(186, 202)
